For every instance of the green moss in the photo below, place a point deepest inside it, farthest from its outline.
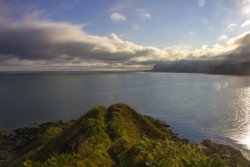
(167, 153)
(33, 148)
(117, 136)
(62, 160)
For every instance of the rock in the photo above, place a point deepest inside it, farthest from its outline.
(234, 157)
(6, 147)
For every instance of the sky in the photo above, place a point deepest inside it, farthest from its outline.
(119, 35)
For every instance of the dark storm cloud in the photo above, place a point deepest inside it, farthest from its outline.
(42, 40)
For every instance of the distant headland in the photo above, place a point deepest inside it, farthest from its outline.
(225, 67)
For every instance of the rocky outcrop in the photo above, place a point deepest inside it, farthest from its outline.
(6, 148)
(233, 156)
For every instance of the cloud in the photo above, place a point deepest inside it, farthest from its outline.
(117, 17)
(59, 45)
(201, 3)
(57, 40)
(245, 1)
(241, 51)
(231, 27)
(246, 8)
(49, 45)
(144, 15)
(223, 38)
(245, 24)
(204, 52)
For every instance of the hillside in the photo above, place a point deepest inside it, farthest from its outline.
(205, 66)
(113, 136)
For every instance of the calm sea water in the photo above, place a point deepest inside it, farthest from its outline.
(196, 106)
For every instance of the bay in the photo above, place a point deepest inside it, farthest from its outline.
(197, 106)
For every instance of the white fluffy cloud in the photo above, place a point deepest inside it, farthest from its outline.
(232, 26)
(223, 38)
(245, 10)
(117, 17)
(144, 15)
(246, 7)
(245, 24)
(245, 1)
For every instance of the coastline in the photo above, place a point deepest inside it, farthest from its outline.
(12, 146)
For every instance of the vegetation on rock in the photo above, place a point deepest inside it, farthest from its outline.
(114, 136)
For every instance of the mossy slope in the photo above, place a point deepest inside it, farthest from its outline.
(114, 136)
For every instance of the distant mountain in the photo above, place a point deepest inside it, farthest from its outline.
(229, 67)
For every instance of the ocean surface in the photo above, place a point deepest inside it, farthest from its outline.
(196, 106)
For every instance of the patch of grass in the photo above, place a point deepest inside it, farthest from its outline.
(159, 153)
(33, 148)
(117, 136)
(62, 160)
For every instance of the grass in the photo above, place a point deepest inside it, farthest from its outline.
(114, 136)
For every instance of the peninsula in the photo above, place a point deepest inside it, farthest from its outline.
(113, 136)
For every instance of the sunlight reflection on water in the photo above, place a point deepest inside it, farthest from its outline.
(195, 106)
(240, 131)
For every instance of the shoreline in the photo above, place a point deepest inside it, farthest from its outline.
(40, 127)
(14, 144)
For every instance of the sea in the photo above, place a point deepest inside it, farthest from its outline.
(196, 106)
